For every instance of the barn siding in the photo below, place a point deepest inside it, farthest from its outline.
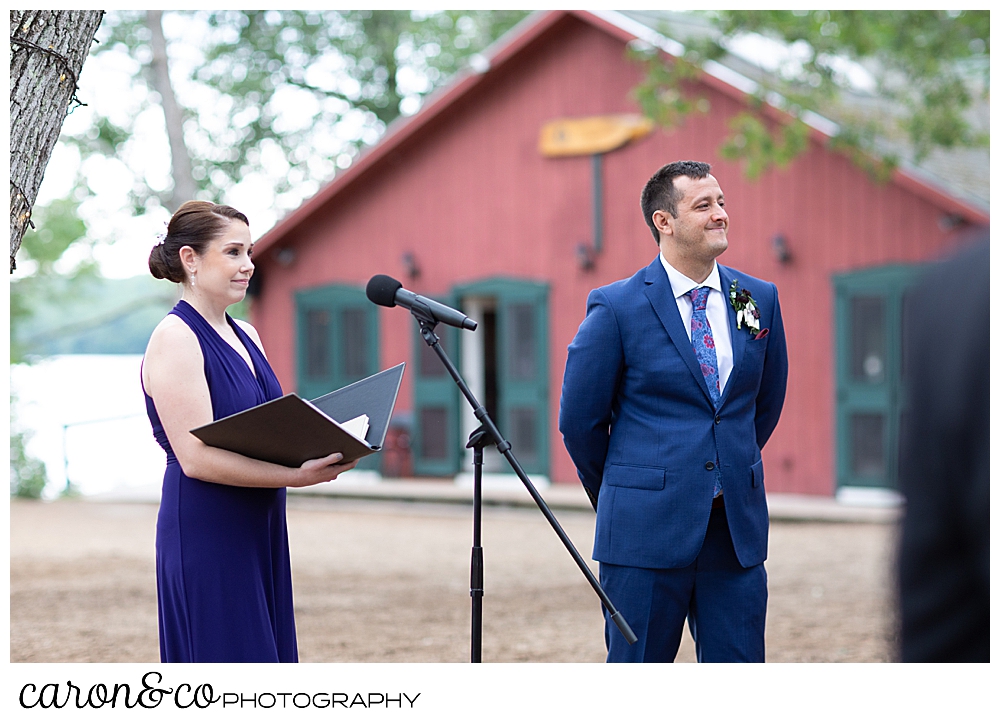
(471, 197)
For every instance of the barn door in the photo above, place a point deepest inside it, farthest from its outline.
(436, 444)
(522, 365)
(870, 399)
(505, 362)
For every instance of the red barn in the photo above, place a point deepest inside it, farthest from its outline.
(459, 203)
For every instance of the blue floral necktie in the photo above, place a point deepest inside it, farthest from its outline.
(703, 341)
(704, 348)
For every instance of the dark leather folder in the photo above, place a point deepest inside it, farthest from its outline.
(291, 430)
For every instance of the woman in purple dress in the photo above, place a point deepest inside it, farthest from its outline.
(223, 577)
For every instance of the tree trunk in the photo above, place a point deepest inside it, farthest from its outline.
(173, 114)
(47, 50)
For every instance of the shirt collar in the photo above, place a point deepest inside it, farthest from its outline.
(681, 284)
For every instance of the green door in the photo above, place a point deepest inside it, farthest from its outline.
(337, 342)
(870, 399)
(436, 445)
(515, 365)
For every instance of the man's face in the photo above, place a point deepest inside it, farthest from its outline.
(699, 229)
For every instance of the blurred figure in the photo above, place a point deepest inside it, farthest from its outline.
(944, 563)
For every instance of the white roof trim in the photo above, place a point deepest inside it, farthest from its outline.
(823, 125)
(643, 32)
(731, 77)
(713, 68)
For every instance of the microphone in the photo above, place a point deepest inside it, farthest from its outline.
(386, 291)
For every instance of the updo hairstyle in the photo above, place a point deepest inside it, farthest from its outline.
(196, 224)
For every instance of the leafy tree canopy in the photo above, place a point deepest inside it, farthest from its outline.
(895, 81)
(295, 94)
(298, 92)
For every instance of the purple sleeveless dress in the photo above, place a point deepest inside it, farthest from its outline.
(223, 578)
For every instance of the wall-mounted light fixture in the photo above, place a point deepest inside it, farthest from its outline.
(779, 244)
(585, 256)
(253, 288)
(410, 264)
(285, 256)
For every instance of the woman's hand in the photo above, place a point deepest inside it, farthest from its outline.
(324, 469)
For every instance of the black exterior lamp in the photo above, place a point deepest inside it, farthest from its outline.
(585, 256)
(779, 244)
(410, 264)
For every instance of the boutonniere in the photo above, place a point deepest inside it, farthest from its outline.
(746, 309)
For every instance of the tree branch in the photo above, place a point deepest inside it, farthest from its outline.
(184, 185)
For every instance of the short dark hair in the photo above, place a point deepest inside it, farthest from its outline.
(659, 193)
(196, 224)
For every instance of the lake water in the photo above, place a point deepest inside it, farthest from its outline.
(87, 418)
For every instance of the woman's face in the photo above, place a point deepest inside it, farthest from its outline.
(224, 270)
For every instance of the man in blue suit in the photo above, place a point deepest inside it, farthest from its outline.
(673, 384)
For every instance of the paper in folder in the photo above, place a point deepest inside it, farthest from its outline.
(291, 430)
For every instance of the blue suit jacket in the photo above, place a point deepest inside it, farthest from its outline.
(637, 419)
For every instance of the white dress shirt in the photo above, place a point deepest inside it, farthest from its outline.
(715, 310)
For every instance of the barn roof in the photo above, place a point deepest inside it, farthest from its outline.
(960, 187)
(961, 172)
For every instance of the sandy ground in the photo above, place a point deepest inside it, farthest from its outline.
(389, 582)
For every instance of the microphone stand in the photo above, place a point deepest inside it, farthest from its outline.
(485, 435)
(477, 440)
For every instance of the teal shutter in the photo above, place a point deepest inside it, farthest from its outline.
(435, 435)
(870, 399)
(337, 342)
(522, 365)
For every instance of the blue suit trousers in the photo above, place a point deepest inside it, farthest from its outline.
(724, 603)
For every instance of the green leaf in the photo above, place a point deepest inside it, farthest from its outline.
(930, 67)
(57, 227)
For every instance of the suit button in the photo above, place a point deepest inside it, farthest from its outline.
(709, 466)
(717, 419)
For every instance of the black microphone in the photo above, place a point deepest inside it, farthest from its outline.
(386, 291)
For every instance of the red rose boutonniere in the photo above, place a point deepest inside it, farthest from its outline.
(746, 309)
